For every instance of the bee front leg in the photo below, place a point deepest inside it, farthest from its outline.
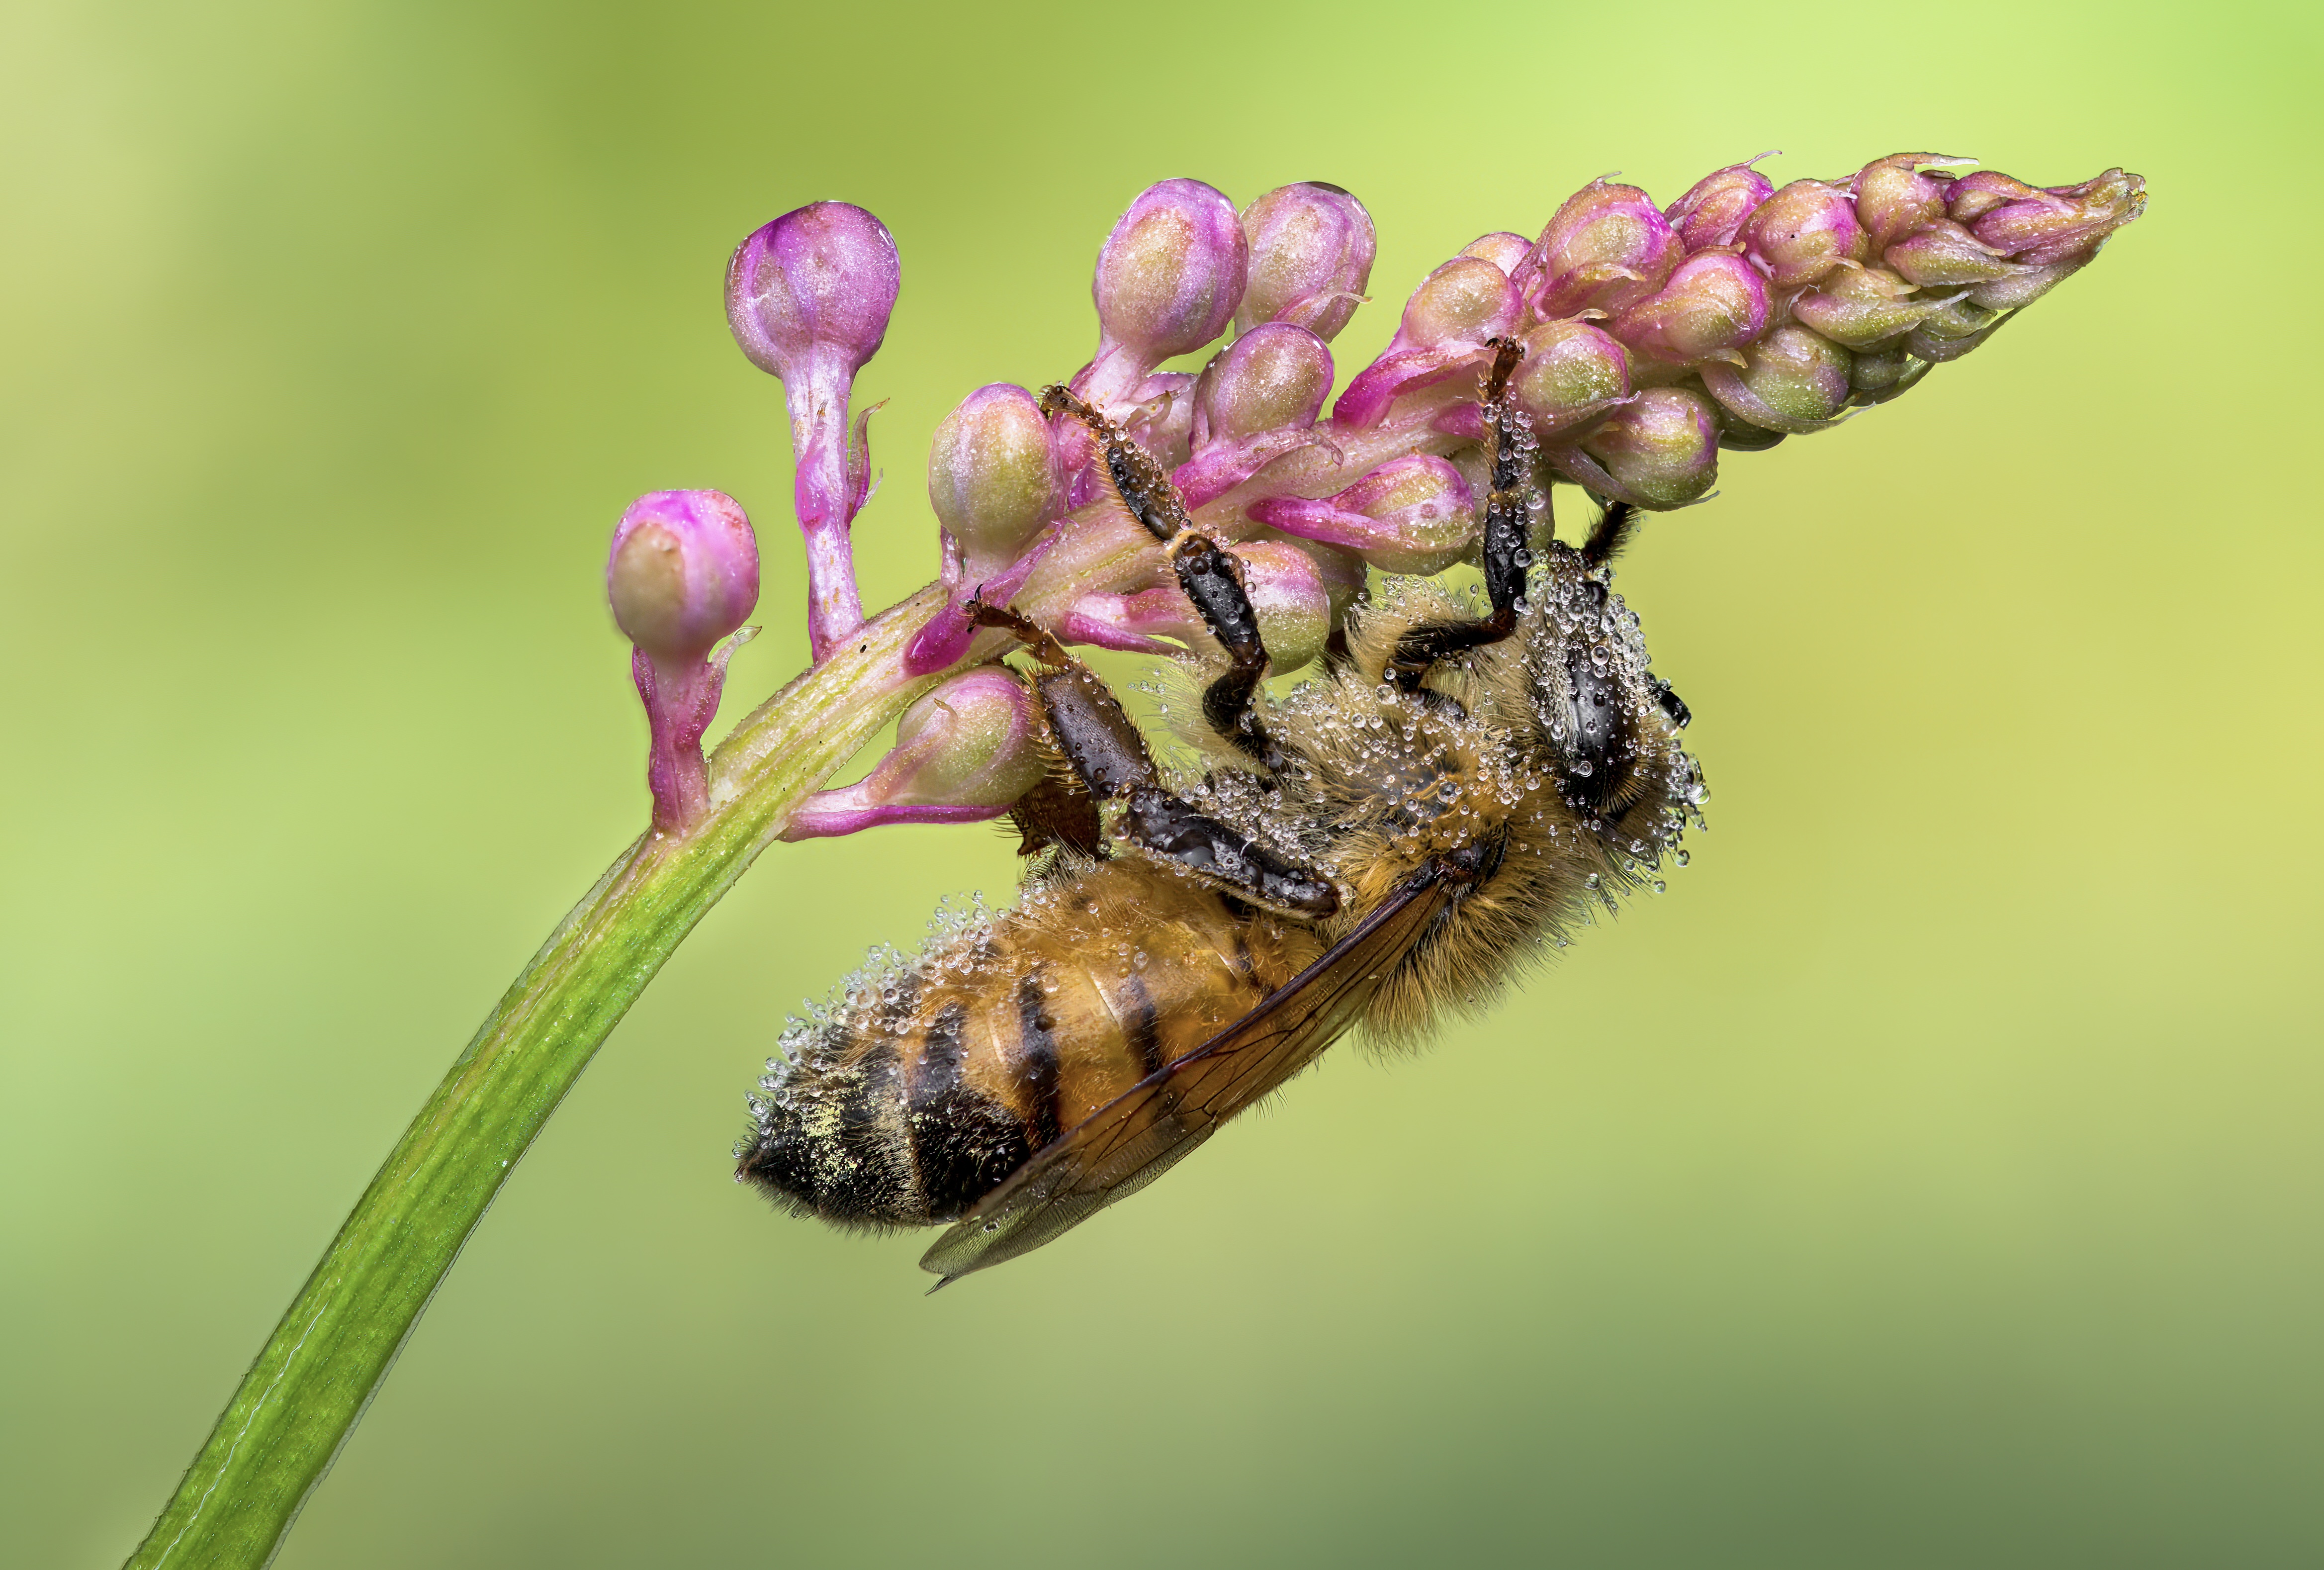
(1214, 583)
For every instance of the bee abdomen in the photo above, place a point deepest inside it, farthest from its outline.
(829, 1138)
(964, 1144)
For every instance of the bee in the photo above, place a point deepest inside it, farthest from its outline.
(1395, 841)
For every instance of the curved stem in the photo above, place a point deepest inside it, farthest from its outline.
(318, 1371)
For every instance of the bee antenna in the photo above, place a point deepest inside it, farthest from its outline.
(1611, 533)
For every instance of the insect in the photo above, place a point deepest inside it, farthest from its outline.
(1393, 841)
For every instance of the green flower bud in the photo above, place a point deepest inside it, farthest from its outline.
(1664, 448)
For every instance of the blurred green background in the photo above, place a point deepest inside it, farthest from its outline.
(1931, 1177)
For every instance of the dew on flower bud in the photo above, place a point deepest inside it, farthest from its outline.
(1608, 247)
(1794, 379)
(1310, 249)
(1571, 375)
(1275, 374)
(993, 475)
(683, 572)
(1714, 207)
(1663, 447)
(1802, 233)
(1167, 281)
(1713, 304)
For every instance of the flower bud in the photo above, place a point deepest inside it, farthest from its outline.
(1663, 449)
(1572, 374)
(1167, 283)
(1714, 208)
(809, 297)
(1793, 379)
(2065, 221)
(1609, 246)
(1412, 514)
(1255, 403)
(1802, 232)
(1445, 327)
(1502, 249)
(1310, 247)
(1972, 196)
(1942, 253)
(1161, 416)
(2022, 289)
(1713, 304)
(1894, 197)
(1858, 307)
(1878, 371)
(683, 572)
(992, 476)
(963, 753)
(810, 294)
(1275, 374)
(1951, 330)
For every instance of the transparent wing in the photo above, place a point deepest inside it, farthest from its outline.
(1140, 1134)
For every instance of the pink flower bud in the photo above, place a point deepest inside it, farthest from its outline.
(963, 753)
(1712, 212)
(683, 574)
(1951, 330)
(1503, 250)
(1255, 403)
(1663, 449)
(1572, 375)
(1446, 325)
(2063, 222)
(809, 297)
(1713, 304)
(1311, 255)
(1942, 253)
(1167, 283)
(993, 477)
(1802, 232)
(2025, 288)
(1894, 197)
(1609, 246)
(1412, 514)
(1858, 307)
(1972, 196)
(1793, 379)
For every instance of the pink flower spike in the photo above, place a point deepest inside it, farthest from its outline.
(682, 575)
(1609, 246)
(1167, 281)
(964, 753)
(1713, 305)
(1412, 514)
(809, 297)
(1447, 323)
(1311, 248)
(1714, 208)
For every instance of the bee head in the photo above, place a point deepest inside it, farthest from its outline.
(1607, 724)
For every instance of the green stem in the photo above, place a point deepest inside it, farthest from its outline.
(318, 1371)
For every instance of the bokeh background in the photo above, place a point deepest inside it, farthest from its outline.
(1931, 1178)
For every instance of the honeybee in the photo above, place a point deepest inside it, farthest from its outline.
(1395, 840)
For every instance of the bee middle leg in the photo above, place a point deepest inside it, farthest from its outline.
(1107, 755)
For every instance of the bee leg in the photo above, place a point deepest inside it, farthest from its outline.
(1145, 489)
(1505, 555)
(1214, 582)
(1170, 829)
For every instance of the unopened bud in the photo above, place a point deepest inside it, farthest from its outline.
(683, 572)
(1446, 324)
(1712, 305)
(1880, 374)
(2063, 222)
(1412, 514)
(1572, 374)
(1858, 307)
(811, 292)
(1310, 247)
(1974, 195)
(963, 753)
(1802, 232)
(1712, 211)
(1664, 448)
(1894, 197)
(1502, 249)
(1953, 330)
(1792, 380)
(1942, 253)
(809, 297)
(1608, 247)
(1167, 281)
(992, 475)
(1275, 374)
(1292, 594)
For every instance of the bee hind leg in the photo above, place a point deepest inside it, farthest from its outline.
(1170, 829)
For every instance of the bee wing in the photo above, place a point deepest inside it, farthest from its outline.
(1140, 1134)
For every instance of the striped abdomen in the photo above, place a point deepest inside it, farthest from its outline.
(928, 1088)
